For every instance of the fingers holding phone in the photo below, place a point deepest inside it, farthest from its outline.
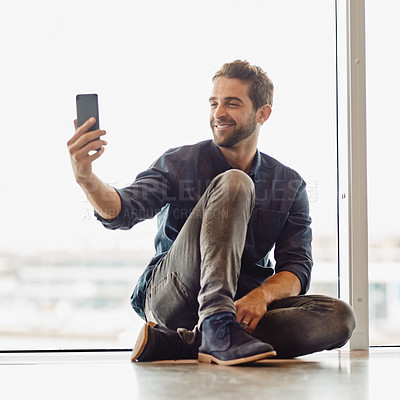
(88, 139)
(86, 145)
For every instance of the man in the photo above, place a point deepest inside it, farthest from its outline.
(211, 291)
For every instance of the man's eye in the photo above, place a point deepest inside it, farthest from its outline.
(213, 105)
(232, 104)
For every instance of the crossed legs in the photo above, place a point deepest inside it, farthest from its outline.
(199, 277)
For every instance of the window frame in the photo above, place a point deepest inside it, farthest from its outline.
(357, 224)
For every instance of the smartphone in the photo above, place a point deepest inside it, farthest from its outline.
(86, 107)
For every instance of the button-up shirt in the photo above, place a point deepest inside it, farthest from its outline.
(173, 185)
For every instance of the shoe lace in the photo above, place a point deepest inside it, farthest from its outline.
(233, 325)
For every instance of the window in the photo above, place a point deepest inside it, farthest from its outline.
(65, 281)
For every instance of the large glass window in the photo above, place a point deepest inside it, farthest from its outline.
(65, 281)
(383, 86)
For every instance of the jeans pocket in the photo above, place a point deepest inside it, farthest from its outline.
(170, 303)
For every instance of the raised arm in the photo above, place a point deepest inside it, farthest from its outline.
(82, 149)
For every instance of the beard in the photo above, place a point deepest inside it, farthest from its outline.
(240, 132)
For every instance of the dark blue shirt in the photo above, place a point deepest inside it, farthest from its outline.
(174, 183)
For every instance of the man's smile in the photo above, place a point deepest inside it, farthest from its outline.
(223, 126)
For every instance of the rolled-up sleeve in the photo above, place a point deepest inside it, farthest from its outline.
(293, 247)
(141, 200)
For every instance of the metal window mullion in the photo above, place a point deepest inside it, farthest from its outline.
(357, 169)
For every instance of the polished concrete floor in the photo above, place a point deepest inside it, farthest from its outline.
(110, 375)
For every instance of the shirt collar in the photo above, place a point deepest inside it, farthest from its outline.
(255, 166)
(219, 160)
(223, 165)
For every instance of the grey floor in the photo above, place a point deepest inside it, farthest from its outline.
(110, 375)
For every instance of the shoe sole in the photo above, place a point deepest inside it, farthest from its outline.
(141, 341)
(207, 358)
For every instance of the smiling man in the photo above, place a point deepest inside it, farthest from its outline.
(233, 118)
(211, 290)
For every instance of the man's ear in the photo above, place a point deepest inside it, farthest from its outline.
(264, 113)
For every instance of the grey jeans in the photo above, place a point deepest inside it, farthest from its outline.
(200, 276)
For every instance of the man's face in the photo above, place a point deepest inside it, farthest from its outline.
(232, 116)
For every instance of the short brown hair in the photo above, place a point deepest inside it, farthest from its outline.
(261, 87)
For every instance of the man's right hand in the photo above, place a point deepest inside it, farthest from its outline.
(82, 149)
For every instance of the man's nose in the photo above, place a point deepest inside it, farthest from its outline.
(220, 111)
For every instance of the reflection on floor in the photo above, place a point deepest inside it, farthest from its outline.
(109, 375)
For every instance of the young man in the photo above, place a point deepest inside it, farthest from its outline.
(211, 291)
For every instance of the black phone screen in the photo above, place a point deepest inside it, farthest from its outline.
(87, 107)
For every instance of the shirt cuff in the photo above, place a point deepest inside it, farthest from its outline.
(118, 221)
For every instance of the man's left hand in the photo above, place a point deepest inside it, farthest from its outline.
(251, 308)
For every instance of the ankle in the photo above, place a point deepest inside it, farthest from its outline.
(218, 317)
